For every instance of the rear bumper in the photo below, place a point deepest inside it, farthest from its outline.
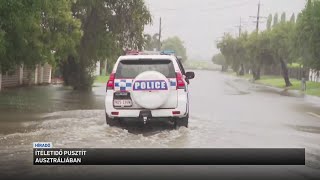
(157, 113)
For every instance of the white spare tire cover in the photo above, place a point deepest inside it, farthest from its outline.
(150, 89)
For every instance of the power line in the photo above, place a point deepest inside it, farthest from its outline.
(205, 9)
(227, 7)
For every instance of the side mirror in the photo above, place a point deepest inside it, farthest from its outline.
(190, 75)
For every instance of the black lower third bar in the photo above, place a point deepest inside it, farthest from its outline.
(169, 156)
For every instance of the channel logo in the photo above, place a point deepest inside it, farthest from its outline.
(43, 145)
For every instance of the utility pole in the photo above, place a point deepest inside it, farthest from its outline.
(240, 27)
(256, 70)
(160, 28)
(258, 17)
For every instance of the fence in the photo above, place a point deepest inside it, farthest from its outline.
(314, 75)
(294, 72)
(41, 74)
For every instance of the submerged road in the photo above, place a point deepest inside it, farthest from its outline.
(225, 112)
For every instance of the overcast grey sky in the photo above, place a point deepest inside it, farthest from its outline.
(199, 23)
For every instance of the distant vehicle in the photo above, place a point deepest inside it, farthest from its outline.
(143, 86)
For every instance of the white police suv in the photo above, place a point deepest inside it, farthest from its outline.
(148, 86)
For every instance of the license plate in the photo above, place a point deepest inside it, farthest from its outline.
(122, 103)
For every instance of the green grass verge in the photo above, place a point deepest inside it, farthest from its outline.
(313, 88)
(294, 65)
(101, 79)
(279, 82)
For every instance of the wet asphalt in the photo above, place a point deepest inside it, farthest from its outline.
(225, 112)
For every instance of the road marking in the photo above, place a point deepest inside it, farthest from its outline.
(313, 114)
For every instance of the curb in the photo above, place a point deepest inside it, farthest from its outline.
(288, 92)
(281, 91)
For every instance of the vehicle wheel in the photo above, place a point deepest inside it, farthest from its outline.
(112, 122)
(181, 122)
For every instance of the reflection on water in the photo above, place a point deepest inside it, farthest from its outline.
(23, 110)
(76, 119)
(46, 99)
(30, 103)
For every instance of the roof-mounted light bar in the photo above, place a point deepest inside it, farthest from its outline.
(168, 52)
(165, 52)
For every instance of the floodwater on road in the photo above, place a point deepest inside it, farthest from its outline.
(224, 112)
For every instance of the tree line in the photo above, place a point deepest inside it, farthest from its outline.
(296, 40)
(72, 35)
(171, 43)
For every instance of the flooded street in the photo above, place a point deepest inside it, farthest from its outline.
(224, 112)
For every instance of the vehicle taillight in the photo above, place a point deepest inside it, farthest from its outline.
(115, 113)
(175, 112)
(180, 82)
(110, 84)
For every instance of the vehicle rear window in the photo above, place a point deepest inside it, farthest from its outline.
(132, 68)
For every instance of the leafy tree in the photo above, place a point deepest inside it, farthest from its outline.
(227, 47)
(219, 59)
(269, 22)
(73, 34)
(241, 53)
(61, 31)
(2, 46)
(148, 42)
(176, 44)
(280, 44)
(259, 52)
(275, 19)
(299, 16)
(293, 18)
(283, 17)
(109, 27)
(30, 31)
(151, 42)
(307, 39)
(286, 42)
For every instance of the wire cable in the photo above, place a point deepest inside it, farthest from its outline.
(212, 8)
